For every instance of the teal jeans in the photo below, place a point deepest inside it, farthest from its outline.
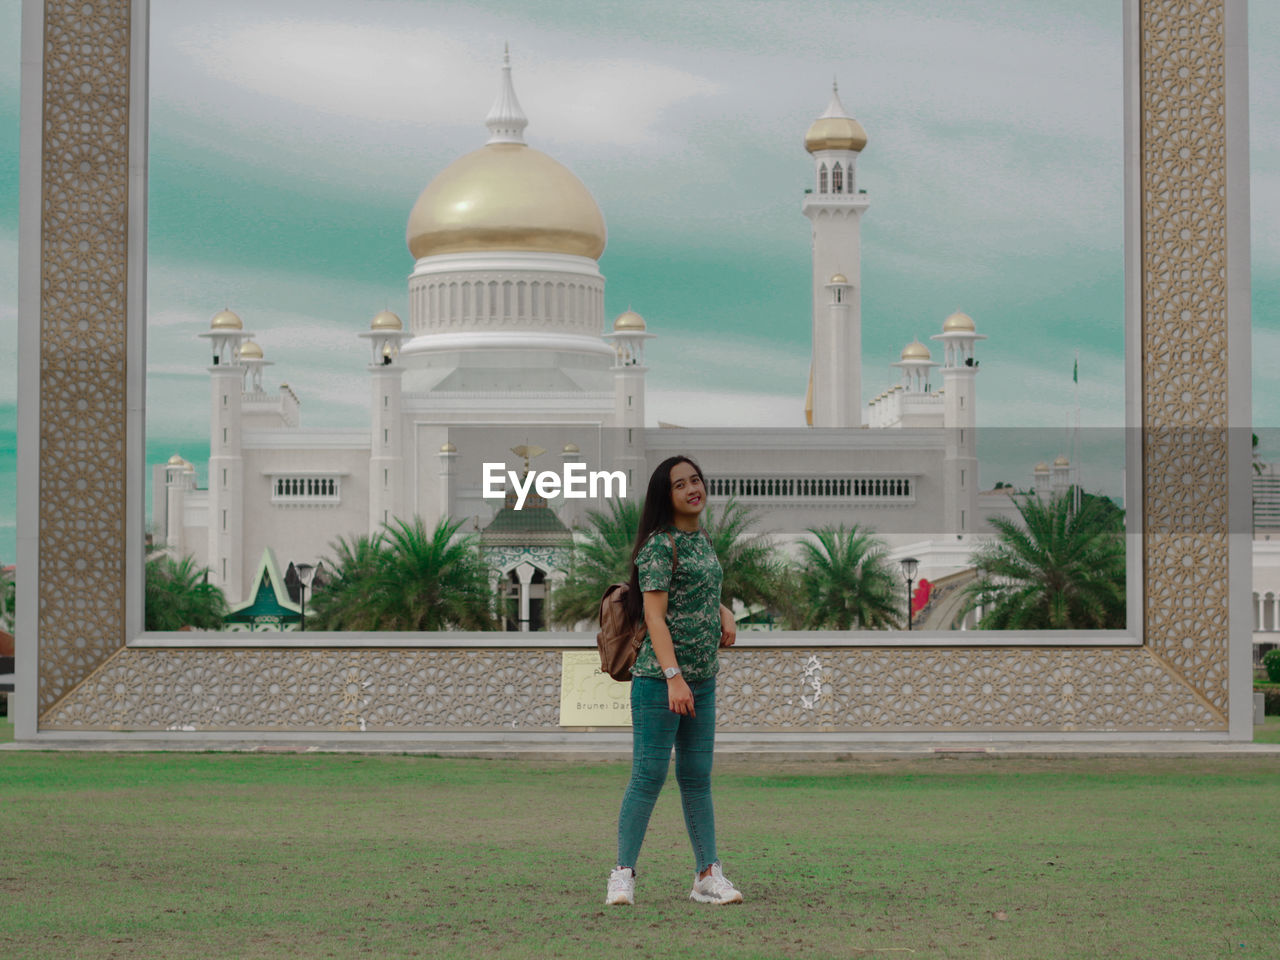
(655, 729)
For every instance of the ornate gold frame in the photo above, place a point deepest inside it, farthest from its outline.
(80, 423)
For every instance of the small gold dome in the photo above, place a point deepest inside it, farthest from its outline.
(958, 323)
(835, 133)
(448, 447)
(1061, 461)
(571, 448)
(1042, 467)
(386, 320)
(176, 461)
(839, 278)
(225, 320)
(506, 196)
(915, 350)
(250, 351)
(629, 320)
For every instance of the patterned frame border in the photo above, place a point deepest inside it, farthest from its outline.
(82, 295)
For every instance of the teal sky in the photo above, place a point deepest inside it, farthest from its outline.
(289, 141)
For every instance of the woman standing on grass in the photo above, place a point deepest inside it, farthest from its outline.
(675, 587)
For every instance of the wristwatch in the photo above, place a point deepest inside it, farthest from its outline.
(670, 672)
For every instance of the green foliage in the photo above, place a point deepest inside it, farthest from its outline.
(1271, 660)
(8, 592)
(601, 557)
(753, 569)
(1270, 700)
(844, 582)
(404, 578)
(179, 595)
(1059, 569)
(753, 572)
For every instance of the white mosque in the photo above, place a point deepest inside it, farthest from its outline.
(506, 346)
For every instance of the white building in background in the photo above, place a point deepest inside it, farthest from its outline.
(1266, 558)
(507, 345)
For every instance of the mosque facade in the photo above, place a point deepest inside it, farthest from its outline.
(506, 347)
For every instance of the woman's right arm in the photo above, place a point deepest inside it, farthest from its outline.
(679, 696)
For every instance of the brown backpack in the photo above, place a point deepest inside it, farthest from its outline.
(619, 639)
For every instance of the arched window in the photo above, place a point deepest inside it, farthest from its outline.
(837, 180)
(822, 179)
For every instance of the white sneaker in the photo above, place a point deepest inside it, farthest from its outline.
(622, 888)
(714, 888)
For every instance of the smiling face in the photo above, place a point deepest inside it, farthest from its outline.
(688, 496)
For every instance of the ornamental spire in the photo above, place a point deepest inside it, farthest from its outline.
(506, 121)
(835, 108)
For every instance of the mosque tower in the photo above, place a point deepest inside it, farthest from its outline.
(227, 337)
(628, 336)
(835, 207)
(959, 390)
(386, 460)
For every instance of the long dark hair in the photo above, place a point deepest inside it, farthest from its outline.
(656, 515)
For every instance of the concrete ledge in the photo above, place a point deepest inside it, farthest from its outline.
(616, 746)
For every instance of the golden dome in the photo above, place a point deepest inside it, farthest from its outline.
(571, 448)
(958, 323)
(1042, 467)
(386, 320)
(506, 196)
(839, 278)
(835, 133)
(176, 461)
(915, 350)
(1061, 461)
(250, 351)
(225, 320)
(629, 320)
(448, 448)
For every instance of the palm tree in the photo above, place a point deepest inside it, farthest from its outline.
(405, 578)
(1061, 568)
(753, 571)
(603, 557)
(178, 594)
(844, 582)
(350, 598)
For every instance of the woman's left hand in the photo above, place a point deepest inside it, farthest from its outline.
(728, 627)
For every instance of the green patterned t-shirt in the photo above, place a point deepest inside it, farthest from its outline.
(693, 602)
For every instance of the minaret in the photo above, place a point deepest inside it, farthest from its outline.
(226, 464)
(959, 394)
(628, 336)
(835, 207)
(917, 365)
(386, 452)
(178, 477)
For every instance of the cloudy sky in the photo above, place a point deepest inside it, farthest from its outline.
(290, 139)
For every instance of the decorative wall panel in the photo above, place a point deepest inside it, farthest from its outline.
(987, 690)
(1184, 339)
(1175, 682)
(83, 363)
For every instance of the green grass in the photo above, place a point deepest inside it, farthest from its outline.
(301, 856)
(6, 730)
(1268, 732)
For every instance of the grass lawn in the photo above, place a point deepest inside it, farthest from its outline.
(1268, 733)
(302, 856)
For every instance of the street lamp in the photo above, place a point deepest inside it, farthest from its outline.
(306, 573)
(909, 567)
